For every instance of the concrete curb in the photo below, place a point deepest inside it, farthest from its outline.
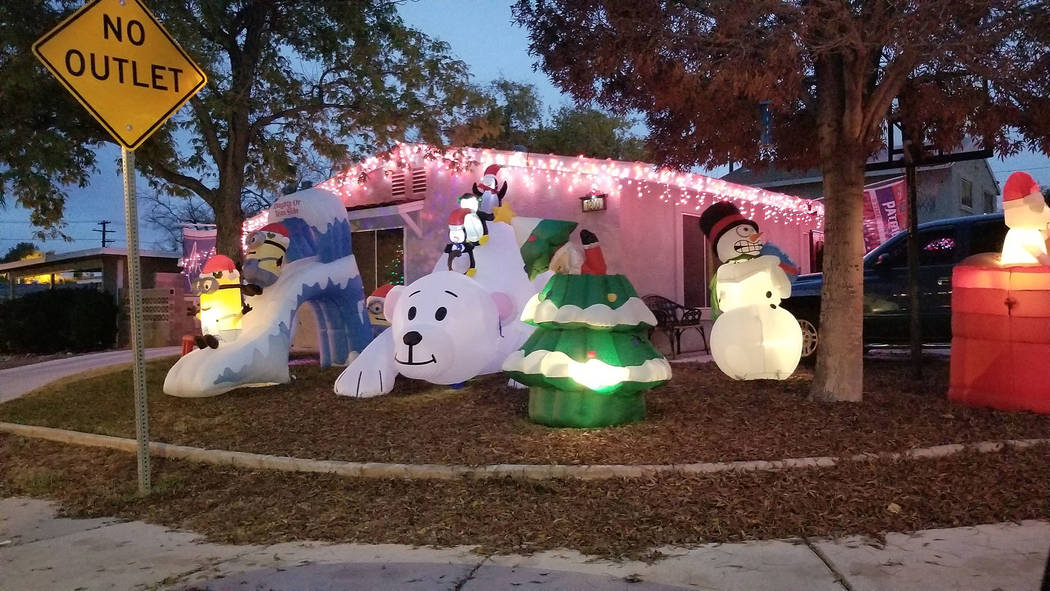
(255, 461)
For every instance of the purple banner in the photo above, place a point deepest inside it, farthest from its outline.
(885, 211)
(197, 247)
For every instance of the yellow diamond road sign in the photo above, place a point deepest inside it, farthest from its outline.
(122, 66)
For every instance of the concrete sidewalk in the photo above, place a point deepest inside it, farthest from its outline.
(40, 551)
(16, 381)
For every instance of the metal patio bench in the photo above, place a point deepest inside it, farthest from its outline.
(673, 319)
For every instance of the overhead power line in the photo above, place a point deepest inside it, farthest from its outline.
(104, 231)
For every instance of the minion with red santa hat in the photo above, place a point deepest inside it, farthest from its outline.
(222, 305)
(375, 303)
(265, 256)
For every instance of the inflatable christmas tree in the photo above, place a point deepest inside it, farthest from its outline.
(589, 361)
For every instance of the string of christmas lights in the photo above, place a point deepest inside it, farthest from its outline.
(578, 174)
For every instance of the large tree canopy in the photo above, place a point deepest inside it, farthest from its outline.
(514, 120)
(833, 72)
(287, 81)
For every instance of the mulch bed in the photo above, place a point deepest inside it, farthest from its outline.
(701, 415)
(611, 518)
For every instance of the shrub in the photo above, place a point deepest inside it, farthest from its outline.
(80, 319)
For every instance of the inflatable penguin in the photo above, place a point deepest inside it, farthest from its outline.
(752, 337)
(1028, 218)
(464, 232)
(489, 194)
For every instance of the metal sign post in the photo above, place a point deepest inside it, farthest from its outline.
(117, 60)
(131, 225)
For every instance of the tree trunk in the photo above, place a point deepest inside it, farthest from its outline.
(840, 367)
(840, 355)
(229, 219)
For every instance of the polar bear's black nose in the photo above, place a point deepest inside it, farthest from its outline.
(412, 338)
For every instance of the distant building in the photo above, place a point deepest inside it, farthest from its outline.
(944, 191)
(105, 269)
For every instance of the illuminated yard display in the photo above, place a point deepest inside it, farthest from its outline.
(1001, 311)
(317, 271)
(590, 359)
(462, 319)
(448, 327)
(221, 305)
(752, 337)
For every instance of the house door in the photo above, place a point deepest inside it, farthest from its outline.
(380, 256)
(696, 264)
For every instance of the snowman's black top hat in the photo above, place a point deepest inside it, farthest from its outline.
(720, 218)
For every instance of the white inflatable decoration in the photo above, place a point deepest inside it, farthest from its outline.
(318, 271)
(1028, 218)
(752, 337)
(446, 327)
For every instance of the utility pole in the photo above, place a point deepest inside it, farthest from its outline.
(105, 241)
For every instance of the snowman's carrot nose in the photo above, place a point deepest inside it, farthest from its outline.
(754, 237)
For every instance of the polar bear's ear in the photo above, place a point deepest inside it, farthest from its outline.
(504, 304)
(390, 302)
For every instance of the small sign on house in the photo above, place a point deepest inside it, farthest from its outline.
(593, 202)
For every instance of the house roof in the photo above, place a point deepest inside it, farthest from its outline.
(769, 178)
(354, 185)
(79, 255)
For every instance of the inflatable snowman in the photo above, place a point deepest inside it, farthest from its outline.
(752, 337)
(1028, 218)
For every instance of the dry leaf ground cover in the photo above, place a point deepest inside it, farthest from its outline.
(701, 415)
(606, 518)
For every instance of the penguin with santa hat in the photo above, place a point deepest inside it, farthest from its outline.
(1028, 217)
(464, 232)
(752, 337)
(489, 195)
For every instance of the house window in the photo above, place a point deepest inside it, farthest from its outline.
(380, 257)
(966, 194)
(989, 202)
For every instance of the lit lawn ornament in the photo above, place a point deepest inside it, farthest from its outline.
(222, 306)
(448, 327)
(590, 360)
(489, 195)
(1001, 312)
(464, 232)
(752, 337)
(571, 259)
(319, 274)
(265, 255)
(1028, 218)
(375, 303)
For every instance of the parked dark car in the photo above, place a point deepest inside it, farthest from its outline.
(942, 244)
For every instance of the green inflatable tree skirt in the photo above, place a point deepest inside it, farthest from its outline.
(584, 409)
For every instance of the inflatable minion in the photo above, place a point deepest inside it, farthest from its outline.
(265, 256)
(222, 307)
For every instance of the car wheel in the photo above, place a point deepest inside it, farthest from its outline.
(809, 338)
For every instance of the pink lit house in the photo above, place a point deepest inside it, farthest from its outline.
(646, 217)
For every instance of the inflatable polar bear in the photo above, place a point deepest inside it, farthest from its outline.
(447, 328)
